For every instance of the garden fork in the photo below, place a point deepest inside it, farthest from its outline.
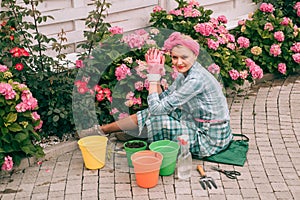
(204, 180)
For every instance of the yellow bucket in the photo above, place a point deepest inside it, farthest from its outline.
(93, 150)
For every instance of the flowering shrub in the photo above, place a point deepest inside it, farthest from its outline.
(221, 51)
(289, 8)
(19, 121)
(115, 77)
(274, 40)
(47, 77)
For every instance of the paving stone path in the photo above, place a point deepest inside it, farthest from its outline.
(268, 113)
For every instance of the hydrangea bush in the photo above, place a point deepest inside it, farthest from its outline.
(222, 52)
(19, 121)
(274, 40)
(114, 76)
(289, 8)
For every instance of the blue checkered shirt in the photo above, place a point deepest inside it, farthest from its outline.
(197, 96)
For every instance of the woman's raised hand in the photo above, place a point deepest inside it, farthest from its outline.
(155, 60)
(155, 64)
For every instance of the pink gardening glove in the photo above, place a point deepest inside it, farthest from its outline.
(155, 63)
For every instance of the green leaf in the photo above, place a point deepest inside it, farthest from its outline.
(15, 127)
(11, 117)
(2, 113)
(56, 110)
(20, 137)
(55, 118)
(27, 149)
(4, 130)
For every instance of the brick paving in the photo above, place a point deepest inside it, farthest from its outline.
(268, 113)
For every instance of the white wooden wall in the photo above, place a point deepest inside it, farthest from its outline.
(234, 10)
(70, 15)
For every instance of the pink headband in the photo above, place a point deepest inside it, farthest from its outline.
(177, 38)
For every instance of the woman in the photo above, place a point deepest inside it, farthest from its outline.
(194, 104)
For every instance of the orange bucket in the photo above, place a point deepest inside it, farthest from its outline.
(146, 167)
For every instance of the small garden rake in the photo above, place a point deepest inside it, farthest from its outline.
(204, 180)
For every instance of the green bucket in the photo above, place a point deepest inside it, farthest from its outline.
(130, 151)
(169, 150)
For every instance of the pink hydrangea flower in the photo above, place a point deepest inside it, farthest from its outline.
(279, 36)
(275, 50)
(244, 74)
(7, 91)
(141, 32)
(222, 29)
(39, 126)
(114, 111)
(122, 71)
(35, 116)
(189, 11)
(194, 3)
(137, 101)
(231, 46)
(3, 68)
(296, 57)
(230, 37)
(214, 68)
(81, 86)
(196, 13)
(234, 74)
(285, 21)
(154, 31)
(241, 22)
(296, 47)
(214, 22)
(266, 7)
(205, 29)
(175, 12)
(256, 72)
(139, 86)
(116, 30)
(222, 19)
(28, 102)
(268, 26)
(134, 40)
(212, 44)
(243, 42)
(249, 62)
(157, 9)
(282, 68)
(123, 115)
(8, 164)
(130, 95)
(297, 5)
(221, 40)
(151, 42)
(141, 68)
